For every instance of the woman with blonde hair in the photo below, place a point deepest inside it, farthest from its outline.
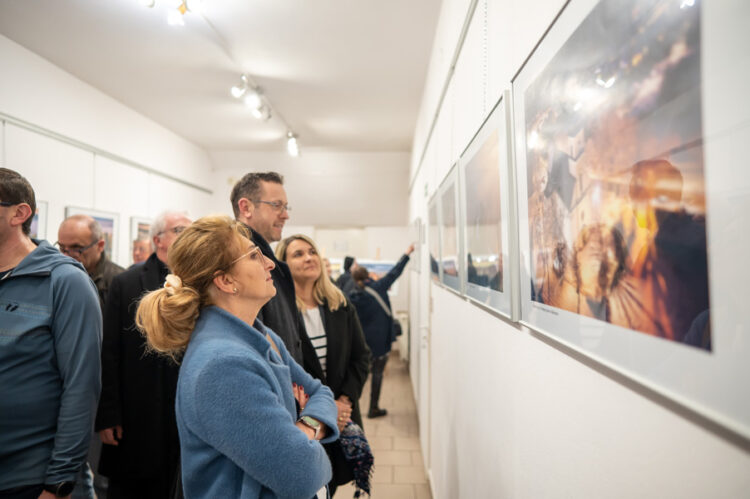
(239, 427)
(334, 330)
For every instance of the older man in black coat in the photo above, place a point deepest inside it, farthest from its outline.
(136, 419)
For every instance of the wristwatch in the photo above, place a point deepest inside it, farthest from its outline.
(311, 423)
(62, 489)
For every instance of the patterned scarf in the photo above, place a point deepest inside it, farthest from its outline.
(359, 456)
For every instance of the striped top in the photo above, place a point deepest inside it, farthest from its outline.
(317, 333)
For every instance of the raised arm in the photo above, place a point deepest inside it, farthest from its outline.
(387, 280)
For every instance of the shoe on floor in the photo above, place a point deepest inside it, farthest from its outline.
(376, 413)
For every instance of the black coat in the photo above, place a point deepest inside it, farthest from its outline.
(347, 355)
(138, 387)
(347, 367)
(283, 317)
(376, 323)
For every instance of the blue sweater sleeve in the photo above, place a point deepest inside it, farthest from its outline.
(253, 427)
(77, 333)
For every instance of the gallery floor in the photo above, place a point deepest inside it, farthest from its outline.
(399, 468)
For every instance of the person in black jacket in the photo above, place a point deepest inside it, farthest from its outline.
(259, 201)
(335, 332)
(377, 321)
(345, 281)
(136, 420)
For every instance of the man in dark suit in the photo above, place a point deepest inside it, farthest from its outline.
(259, 201)
(136, 419)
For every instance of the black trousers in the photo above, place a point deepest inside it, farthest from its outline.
(377, 366)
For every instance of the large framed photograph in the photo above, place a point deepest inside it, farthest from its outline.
(450, 249)
(622, 157)
(433, 237)
(110, 223)
(484, 169)
(39, 221)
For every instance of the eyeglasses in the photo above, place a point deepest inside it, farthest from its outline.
(175, 230)
(255, 255)
(6, 203)
(277, 206)
(77, 250)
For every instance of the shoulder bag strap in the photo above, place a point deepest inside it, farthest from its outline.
(375, 295)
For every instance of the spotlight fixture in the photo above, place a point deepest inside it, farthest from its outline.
(291, 144)
(252, 99)
(262, 113)
(195, 6)
(174, 18)
(238, 91)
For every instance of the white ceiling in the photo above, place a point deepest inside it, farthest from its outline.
(344, 74)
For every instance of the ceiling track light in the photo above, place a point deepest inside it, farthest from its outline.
(262, 113)
(238, 91)
(174, 18)
(292, 147)
(253, 98)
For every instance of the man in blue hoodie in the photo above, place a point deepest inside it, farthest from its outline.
(50, 339)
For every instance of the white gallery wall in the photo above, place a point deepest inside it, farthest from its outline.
(51, 124)
(331, 188)
(503, 411)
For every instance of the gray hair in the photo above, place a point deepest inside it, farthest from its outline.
(160, 222)
(96, 230)
(97, 233)
(249, 187)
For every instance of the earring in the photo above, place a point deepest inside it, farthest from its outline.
(234, 290)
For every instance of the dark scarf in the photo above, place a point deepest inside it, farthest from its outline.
(359, 456)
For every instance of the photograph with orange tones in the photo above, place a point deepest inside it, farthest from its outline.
(615, 172)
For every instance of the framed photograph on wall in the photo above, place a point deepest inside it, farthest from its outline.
(140, 228)
(416, 231)
(39, 221)
(110, 223)
(450, 236)
(140, 240)
(622, 126)
(485, 181)
(433, 237)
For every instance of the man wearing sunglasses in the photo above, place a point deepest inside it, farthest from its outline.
(51, 337)
(259, 201)
(136, 420)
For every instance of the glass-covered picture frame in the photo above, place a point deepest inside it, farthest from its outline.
(485, 181)
(627, 130)
(433, 237)
(109, 222)
(450, 232)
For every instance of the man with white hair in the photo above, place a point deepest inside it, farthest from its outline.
(136, 419)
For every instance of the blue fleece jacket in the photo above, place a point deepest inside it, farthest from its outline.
(50, 343)
(236, 415)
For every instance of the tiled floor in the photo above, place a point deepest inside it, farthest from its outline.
(399, 468)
